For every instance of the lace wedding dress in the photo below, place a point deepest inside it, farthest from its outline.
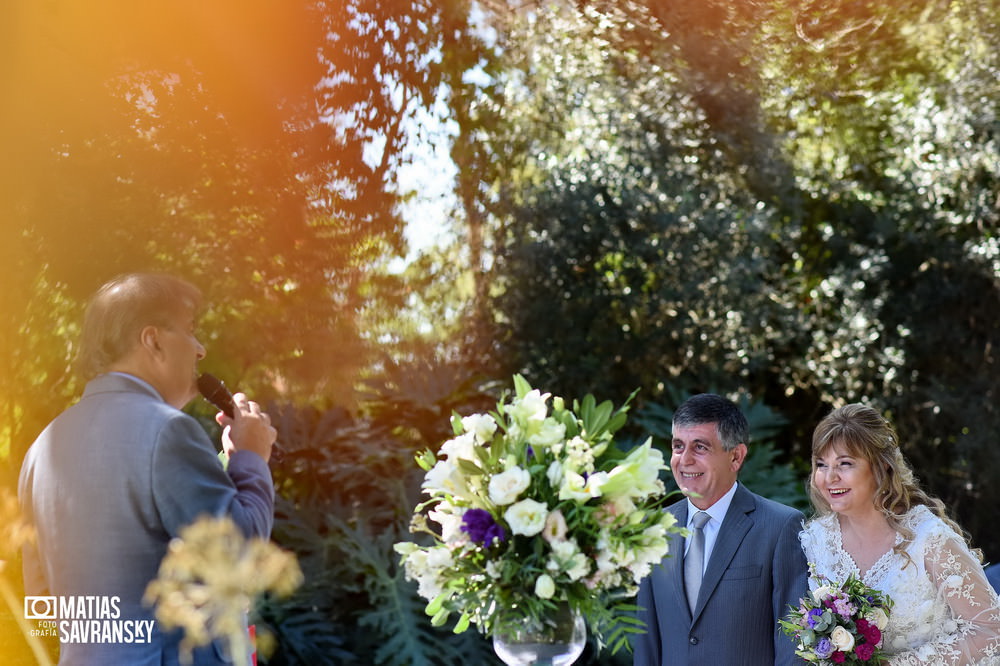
(945, 611)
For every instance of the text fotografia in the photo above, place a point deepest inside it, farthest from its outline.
(85, 619)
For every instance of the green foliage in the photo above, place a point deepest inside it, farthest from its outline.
(795, 201)
(251, 147)
(346, 486)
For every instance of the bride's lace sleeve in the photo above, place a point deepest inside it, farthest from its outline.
(972, 636)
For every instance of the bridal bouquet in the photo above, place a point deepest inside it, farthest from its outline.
(533, 507)
(840, 623)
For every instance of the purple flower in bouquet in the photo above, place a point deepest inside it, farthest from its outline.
(839, 623)
(481, 527)
(824, 648)
(843, 607)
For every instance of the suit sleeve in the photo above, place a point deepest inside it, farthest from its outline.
(188, 482)
(646, 645)
(791, 582)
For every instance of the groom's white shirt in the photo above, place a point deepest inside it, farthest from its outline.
(716, 513)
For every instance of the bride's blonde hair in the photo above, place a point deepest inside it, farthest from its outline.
(865, 434)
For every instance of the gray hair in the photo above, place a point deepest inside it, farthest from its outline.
(711, 408)
(121, 308)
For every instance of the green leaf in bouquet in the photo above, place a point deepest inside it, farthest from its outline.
(440, 618)
(462, 624)
(599, 419)
(521, 386)
(485, 456)
(426, 460)
(436, 604)
(469, 468)
(456, 423)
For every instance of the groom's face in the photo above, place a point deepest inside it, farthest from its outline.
(703, 470)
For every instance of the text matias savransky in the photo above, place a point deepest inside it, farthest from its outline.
(86, 619)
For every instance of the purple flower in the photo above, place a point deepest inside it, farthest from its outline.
(824, 648)
(813, 618)
(530, 453)
(481, 528)
(844, 608)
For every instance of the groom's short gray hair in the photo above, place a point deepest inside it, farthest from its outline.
(704, 408)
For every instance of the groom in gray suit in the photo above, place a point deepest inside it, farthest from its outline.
(716, 599)
(115, 477)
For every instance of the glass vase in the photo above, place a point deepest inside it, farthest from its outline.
(554, 640)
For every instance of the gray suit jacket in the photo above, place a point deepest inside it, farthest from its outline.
(108, 484)
(755, 572)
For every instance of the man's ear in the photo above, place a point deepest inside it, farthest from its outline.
(739, 455)
(149, 339)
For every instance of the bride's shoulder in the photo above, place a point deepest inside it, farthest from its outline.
(925, 523)
(820, 526)
(823, 521)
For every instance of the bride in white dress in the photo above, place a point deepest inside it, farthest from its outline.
(875, 522)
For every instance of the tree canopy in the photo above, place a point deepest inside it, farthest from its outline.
(792, 199)
(250, 147)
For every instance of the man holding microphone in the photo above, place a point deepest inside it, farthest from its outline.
(116, 476)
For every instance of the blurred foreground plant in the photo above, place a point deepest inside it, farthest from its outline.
(15, 532)
(210, 577)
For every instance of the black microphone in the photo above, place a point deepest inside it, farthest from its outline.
(213, 390)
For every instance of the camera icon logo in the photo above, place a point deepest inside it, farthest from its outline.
(40, 608)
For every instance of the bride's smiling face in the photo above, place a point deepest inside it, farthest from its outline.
(844, 480)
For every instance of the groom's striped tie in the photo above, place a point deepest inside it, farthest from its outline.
(694, 561)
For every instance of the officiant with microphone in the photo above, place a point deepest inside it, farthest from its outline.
(116, 476)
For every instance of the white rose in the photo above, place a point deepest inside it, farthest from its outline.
(426, 566)
(581, 489)
(842, 639)
(554, 474)
(451, 525)
(527, 517)
(545, 587)
(551, 432)
(529, 410)
(878, 617)
(460, 447)
(506, 486)
(578, 566)
(555, 527)
(482, 426)
(566, 556)
(821, 593)
(445, 477)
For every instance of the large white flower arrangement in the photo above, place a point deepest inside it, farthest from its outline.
(535, 507)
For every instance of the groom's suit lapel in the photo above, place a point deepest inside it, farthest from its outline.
(735, 526)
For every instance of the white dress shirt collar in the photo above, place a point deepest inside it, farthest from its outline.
(716, 513)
